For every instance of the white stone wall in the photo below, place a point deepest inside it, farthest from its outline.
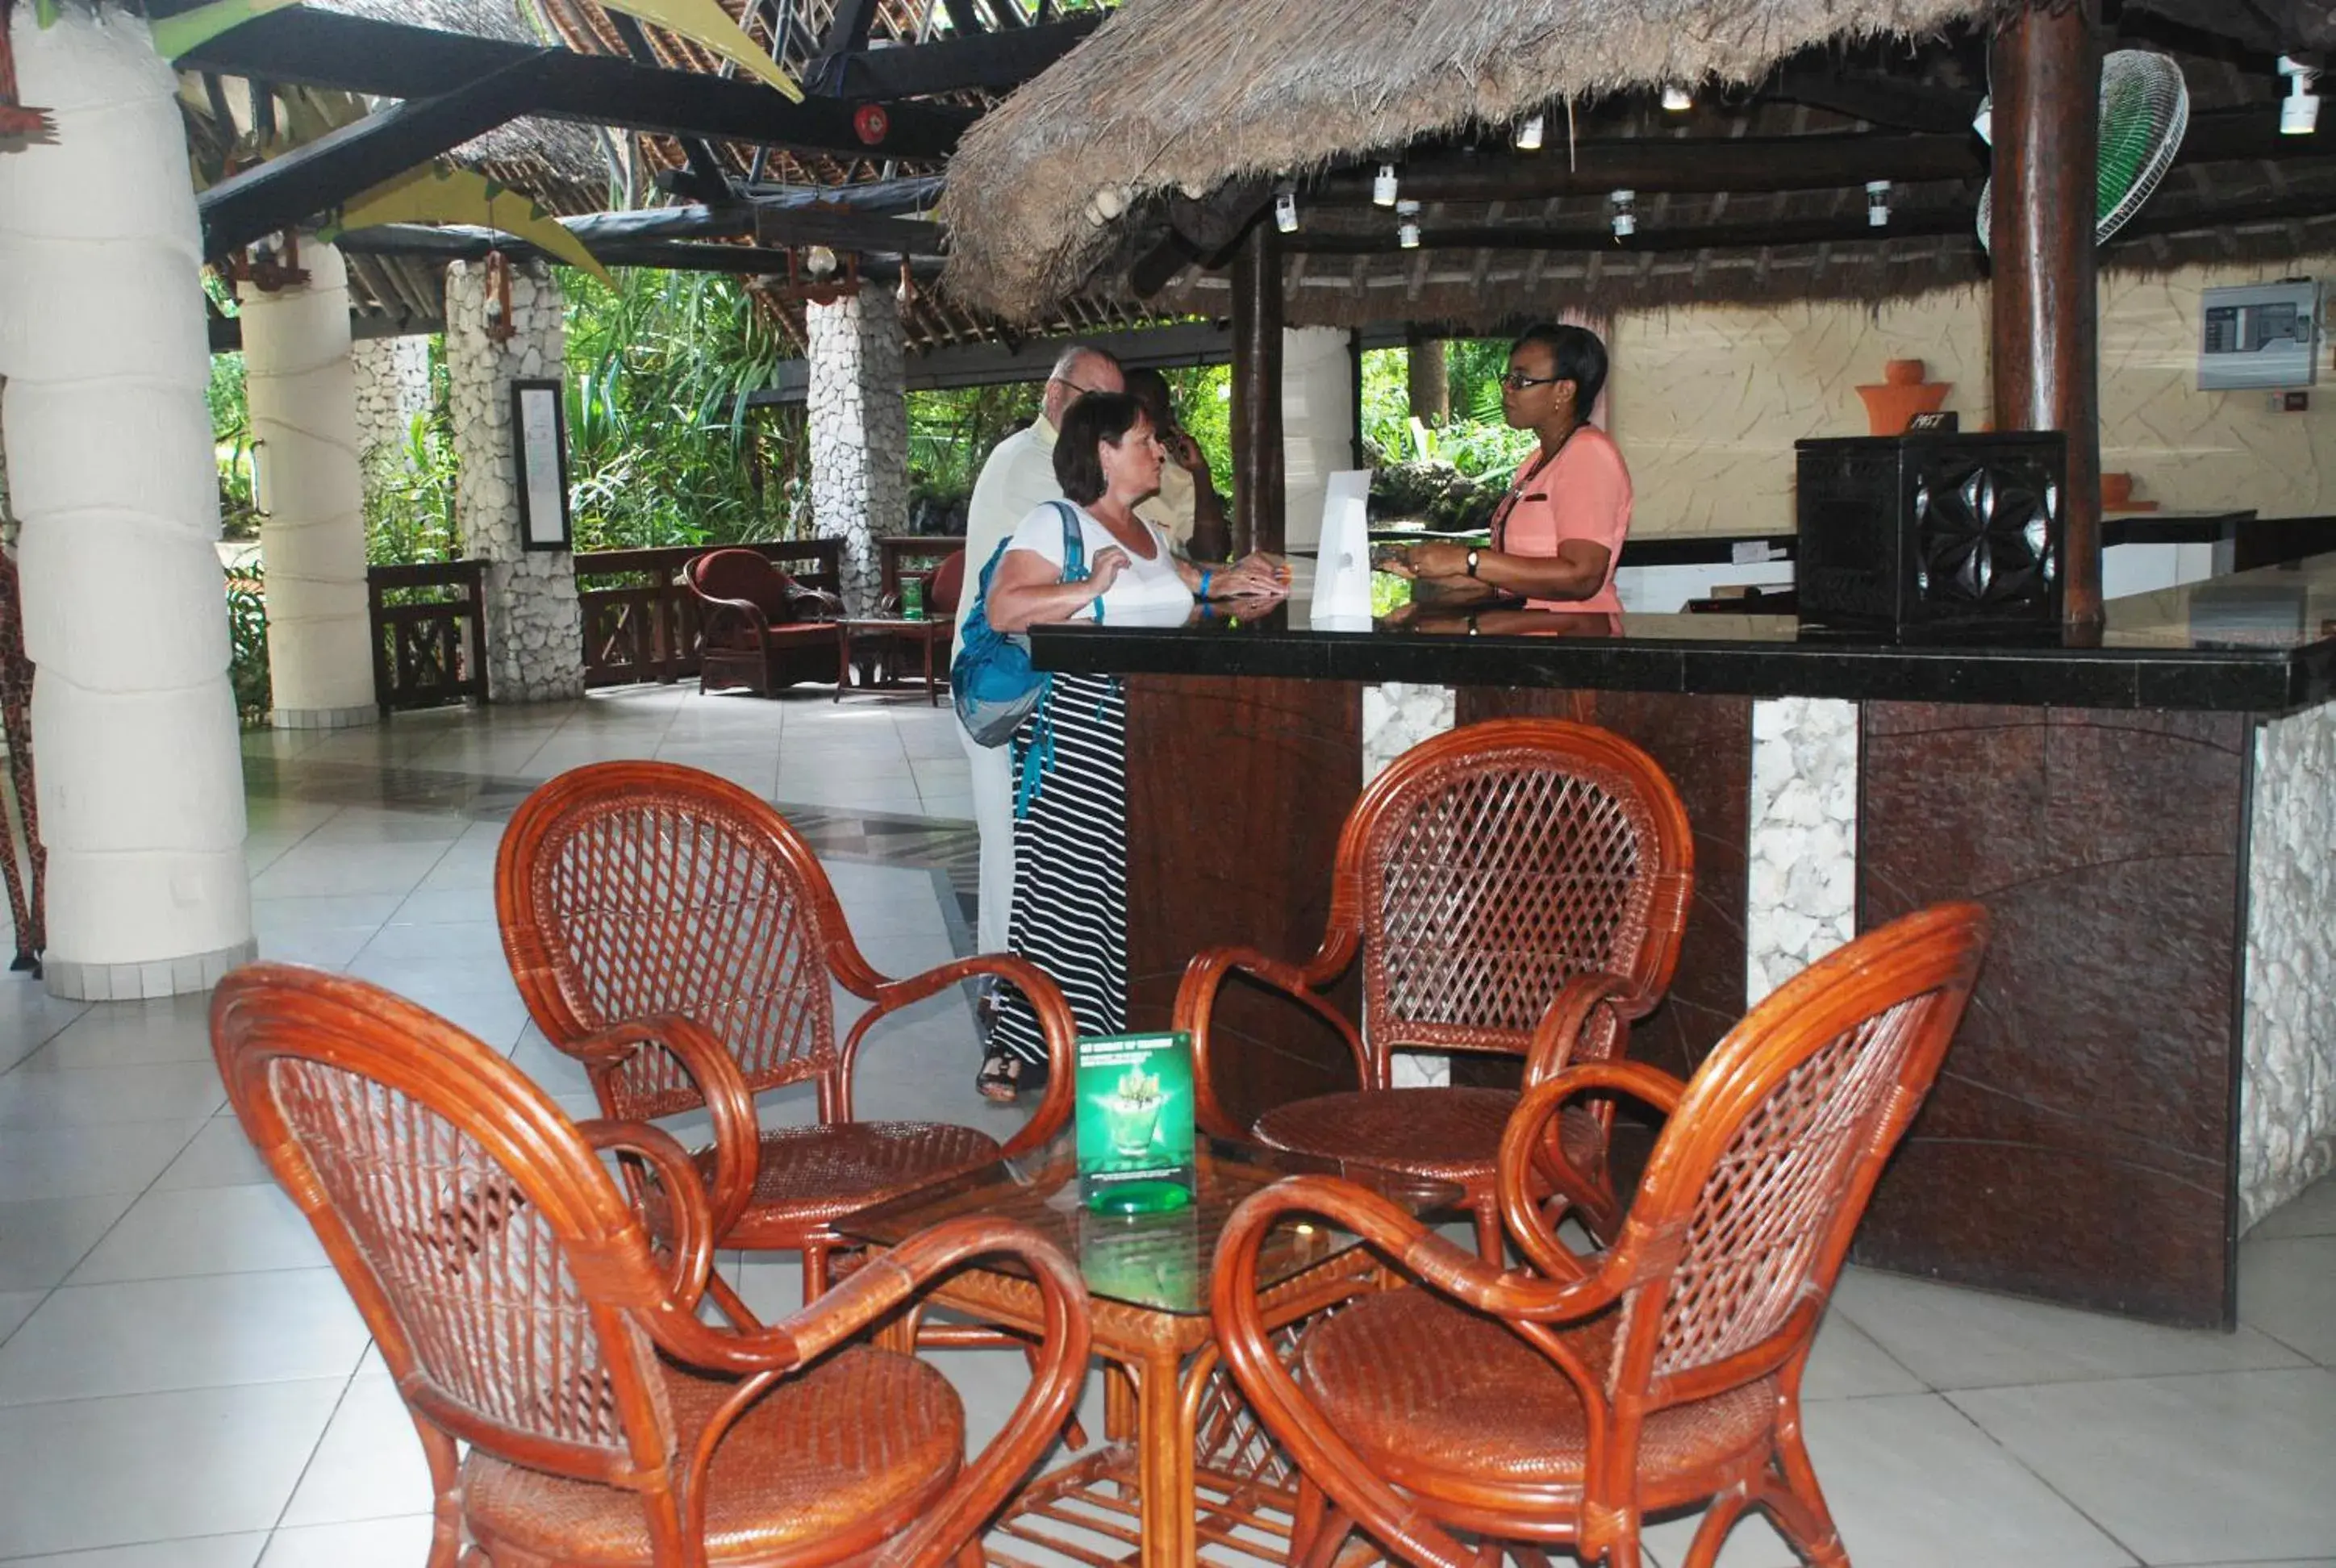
(2287, 1105)
(1397, 717)
(1318, 427)
(535, 636)
(1801, 901)
(858, 413)
(393, 382)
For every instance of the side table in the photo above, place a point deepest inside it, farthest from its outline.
(863, 628)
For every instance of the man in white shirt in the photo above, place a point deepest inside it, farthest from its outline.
(1017, 479)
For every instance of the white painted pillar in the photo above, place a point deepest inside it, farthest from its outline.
(535, 630)
(1318, 425)
(103, 354)
(857, 409)
(304, 420)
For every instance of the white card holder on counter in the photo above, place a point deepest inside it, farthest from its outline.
(1342, 570)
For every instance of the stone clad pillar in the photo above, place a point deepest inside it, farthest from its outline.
(311, 543)
(535, 634)
(393, 381)
(104, 361)
(859, 412)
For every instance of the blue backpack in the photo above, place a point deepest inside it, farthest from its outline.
(991, 682)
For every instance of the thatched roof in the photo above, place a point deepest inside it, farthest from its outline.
(1191, 95)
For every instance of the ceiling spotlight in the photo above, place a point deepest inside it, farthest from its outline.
(820, 261)
(1529, 132)
(1383, 186)
(1285, 211)
(2299, 112)
(1406, 229)
(1625, 208)
(1677, 99)
(1877, 203)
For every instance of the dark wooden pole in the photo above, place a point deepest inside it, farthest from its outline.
(1257, 391)
(1428, 380)
(2046, 74)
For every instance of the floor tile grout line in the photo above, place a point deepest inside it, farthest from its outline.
(292, 1493)
(2111, 1536)
(132, 1546)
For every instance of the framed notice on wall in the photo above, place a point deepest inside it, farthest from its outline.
(539, 450)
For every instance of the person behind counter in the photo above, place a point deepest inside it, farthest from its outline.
(1557, 534)
(1070, 832)
(1187, 505)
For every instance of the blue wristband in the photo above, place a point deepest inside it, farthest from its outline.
(1204, 591)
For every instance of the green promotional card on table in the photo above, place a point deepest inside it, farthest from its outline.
(1135, 1122)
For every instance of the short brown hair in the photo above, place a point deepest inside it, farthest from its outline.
(1094, 419)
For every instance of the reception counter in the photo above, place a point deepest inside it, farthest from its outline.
(2150, 1062)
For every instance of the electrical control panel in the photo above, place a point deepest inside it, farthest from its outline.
(2262, 335)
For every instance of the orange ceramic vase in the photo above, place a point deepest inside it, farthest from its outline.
(1903, 394)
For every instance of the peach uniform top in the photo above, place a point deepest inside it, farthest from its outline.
(1582, 492)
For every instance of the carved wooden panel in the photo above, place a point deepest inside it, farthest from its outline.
(2080, 1143)
(1237, 788)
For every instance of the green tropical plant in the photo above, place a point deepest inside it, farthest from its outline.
(247, 628)
(665, 447)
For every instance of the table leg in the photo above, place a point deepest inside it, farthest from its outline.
(842, 661)
(933, 692)
(1163, 1459)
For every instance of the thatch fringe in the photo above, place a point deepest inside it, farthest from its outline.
(1190, 94)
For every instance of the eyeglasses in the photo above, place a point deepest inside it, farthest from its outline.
(1516, 383)
(1074, 386)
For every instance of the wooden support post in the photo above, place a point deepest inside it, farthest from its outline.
(1428, 380)
(2045, 71)
(1257, 498)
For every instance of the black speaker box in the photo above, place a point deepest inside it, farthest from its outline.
(1936, 532)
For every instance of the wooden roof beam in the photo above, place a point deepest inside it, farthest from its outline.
(392, 59)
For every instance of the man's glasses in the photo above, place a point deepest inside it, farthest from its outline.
(1074, 386)
(1516, 383)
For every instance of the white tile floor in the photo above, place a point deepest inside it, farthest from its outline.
(184, 1383)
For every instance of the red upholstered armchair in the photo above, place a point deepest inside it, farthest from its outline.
(761, 629)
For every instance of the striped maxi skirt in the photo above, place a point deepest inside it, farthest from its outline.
(1070, 866)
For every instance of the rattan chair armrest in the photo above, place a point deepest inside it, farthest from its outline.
(738, 1131)
(1571, 1028)
(692, 1240)
(824, 606)
(1055, 1024)
(875, 1291)
(1196, 1001)
(745, 610)
(1289, 1412)
(1531, 1137)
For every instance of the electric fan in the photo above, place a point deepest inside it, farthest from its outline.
(2144, 111)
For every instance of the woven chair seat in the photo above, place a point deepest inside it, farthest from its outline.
(811, 1175)
(1444, 1133)
(862, 1444)
(1447, 1402)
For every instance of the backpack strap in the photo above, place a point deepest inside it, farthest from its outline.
(1074, 551)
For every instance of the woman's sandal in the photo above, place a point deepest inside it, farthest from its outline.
(1005, 1077)
(1000, 1078)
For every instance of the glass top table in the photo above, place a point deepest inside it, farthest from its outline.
(1153, 1263)
(1186, 1475)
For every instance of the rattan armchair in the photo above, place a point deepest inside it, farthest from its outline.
(525, 1310)
(1562, 1403)
(1480, 874)
(630, 890)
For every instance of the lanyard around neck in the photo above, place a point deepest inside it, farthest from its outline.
(1509, 501)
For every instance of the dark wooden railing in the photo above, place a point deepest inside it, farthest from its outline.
(900, 554)
(641, 624)
(429, 634)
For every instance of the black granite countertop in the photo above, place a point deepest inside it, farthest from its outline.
(2262, 641)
